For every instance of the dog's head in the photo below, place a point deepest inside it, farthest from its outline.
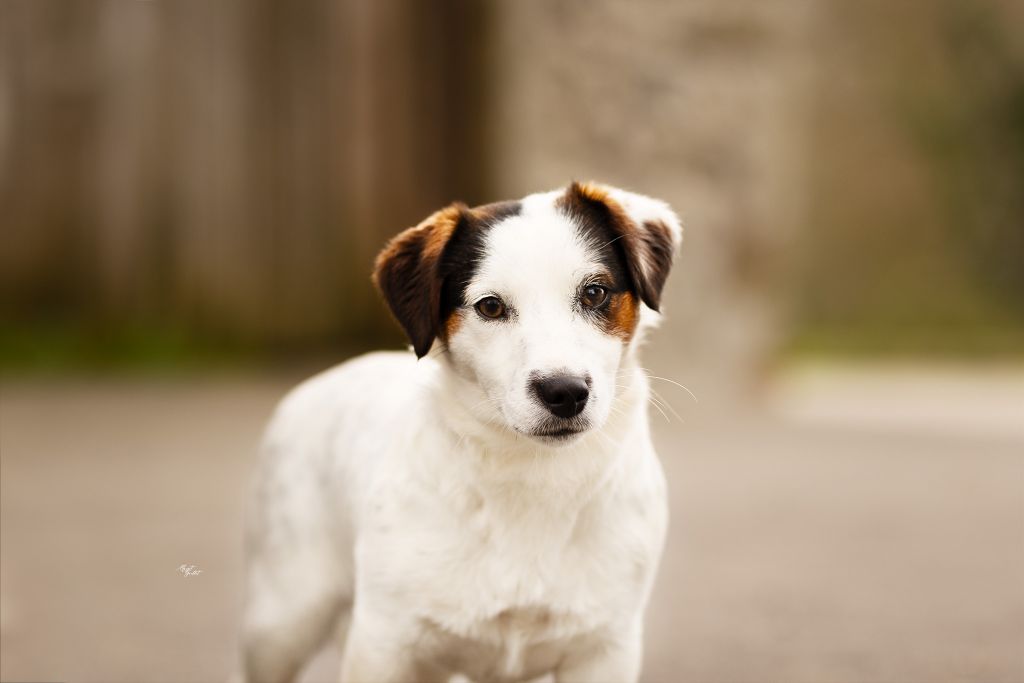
(534, 302)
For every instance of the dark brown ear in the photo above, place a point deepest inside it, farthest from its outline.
(645, 230)
(408, 274)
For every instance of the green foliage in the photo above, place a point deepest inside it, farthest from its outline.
(916, 234)
(59, 346)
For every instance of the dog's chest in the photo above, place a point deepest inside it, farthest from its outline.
(516, 644)
(515, 589)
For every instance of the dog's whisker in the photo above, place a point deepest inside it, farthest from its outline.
(670, 381)
(654, 403)
(665, 402)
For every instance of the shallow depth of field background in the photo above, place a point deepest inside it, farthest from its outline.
(192, 194)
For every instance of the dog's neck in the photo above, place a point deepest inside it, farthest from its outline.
(500, 463)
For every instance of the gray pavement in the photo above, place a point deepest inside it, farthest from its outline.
(859, 526)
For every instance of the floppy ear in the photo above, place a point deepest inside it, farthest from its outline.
(408, 274)
(648, 231)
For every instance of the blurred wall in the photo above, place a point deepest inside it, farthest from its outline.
(849, 173)
(700, 103)
(227, 168)
(915, 227)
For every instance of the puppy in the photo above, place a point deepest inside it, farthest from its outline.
(491, 504)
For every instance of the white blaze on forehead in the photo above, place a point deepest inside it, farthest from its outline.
(536, 253)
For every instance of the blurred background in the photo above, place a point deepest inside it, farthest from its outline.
(192, 195)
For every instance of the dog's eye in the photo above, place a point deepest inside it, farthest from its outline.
(594, 295)
(490, 307)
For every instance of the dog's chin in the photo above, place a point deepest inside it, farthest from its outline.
(561, 433)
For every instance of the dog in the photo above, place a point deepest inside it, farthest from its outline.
(490, 505)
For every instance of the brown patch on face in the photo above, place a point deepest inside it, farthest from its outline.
(423, 272)
(408, 274)
(591, 202)
(645, 249)
(451, 325)
(621, 315)
(591, 191)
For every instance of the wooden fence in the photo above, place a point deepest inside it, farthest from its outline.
(228, 167)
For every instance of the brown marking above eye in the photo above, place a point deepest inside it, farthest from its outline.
(646, 249)
(620, 316)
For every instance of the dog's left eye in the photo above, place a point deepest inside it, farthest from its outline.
(491, 307)
(593, 296)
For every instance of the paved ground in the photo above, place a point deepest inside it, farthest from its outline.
(866, 526)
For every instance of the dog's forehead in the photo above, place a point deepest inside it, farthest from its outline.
(539, 240)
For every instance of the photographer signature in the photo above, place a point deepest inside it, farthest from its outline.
(189, 570)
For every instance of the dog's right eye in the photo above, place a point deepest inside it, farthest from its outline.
(490, 307)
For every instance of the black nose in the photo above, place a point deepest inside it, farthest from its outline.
(564, 395)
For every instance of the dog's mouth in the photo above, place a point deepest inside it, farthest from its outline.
(559, 431)
(559, 434)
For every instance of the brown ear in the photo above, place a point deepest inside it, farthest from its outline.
(408, 274)
(645, 230)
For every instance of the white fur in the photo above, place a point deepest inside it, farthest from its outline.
(407, 499)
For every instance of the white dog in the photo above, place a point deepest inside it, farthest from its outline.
(492, 506)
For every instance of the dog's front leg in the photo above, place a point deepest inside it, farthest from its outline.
(379, 650)
(613, 657)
